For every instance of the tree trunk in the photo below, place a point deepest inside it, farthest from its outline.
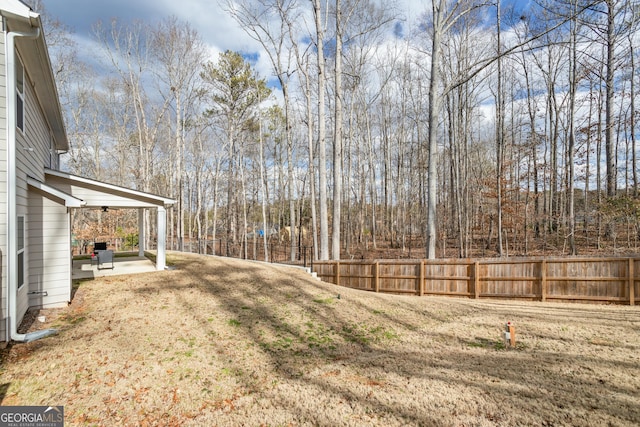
(322, 151)
(438, 7)
(609, 102)
(337, 140)
(572, 137)
(499, 136)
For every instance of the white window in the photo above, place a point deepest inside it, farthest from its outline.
(19, 94)
(20, 232)
(53, 158)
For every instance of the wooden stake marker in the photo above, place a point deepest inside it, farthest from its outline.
(510, 335)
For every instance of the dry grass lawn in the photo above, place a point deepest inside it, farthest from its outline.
(222, 342)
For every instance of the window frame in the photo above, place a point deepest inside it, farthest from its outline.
(20, 251)
(20, 94)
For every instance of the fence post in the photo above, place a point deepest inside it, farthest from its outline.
(476, 280)
(421, 282)
(376, 276)
(336, 273)
(543, 280)
(631, 281)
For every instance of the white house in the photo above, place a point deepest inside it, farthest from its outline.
(36, 198)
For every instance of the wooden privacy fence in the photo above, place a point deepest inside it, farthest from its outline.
(603, 280)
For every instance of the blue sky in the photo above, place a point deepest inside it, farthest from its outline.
(208, 17)
(213, 24)
(215, 27)
(218, 30)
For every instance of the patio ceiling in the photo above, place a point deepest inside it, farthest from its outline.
(101, 194)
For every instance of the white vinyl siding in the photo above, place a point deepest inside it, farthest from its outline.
(49, 252)
(48, 228)
(33, 149)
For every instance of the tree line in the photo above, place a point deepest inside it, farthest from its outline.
(480, 129)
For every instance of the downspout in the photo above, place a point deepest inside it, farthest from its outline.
(12, 216)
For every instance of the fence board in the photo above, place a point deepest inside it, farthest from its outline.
(399, 278)
(611, 280)
(447, 278)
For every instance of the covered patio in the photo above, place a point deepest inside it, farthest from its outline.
(89, 193)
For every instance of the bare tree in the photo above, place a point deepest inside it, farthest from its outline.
(234, 93)
(633, 23)
(444, 15)
(256, 19)
(337, 136)
(303, 60)
(127, 49)
(322, 150)
(500, 112)
(179, 53)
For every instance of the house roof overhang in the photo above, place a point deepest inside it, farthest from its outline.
(37, 64)
(59, 196)
(97, 194)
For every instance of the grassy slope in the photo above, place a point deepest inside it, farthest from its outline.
(226, 342)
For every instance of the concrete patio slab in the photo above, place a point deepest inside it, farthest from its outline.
(84, 269)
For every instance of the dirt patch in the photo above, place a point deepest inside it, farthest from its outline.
(226, 342)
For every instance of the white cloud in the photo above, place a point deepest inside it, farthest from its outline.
(216, 28)
(211, 21)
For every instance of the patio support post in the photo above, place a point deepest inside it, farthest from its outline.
(162, 236)
(141, 237)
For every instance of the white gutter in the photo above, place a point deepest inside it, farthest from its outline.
(12, 216)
